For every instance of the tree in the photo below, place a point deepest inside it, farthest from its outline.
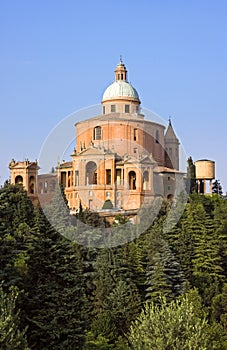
(207, 266)
(54, 305)
(191, 179)
(11, 337)
(190, 225)
(58, 213)
(164, 274)
(16, 221)
(16, 207)
(217, 188)
(181, 324)
(116, 298)
(107, 204)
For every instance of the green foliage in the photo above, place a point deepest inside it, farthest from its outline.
(181, 324)
(164, 275)
(90, 218)
(120, 220)
(16, 222)
(55, 301)
(70, 291)
(107, 204)
(217, 188)
(97, 343)
(15, 207)
(191, 180)
(58, 212)
(11, 337)
(116, 296)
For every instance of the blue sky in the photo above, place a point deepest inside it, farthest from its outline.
(58, 57)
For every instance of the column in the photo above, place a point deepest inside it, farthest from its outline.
(204, 186)
(210, 186)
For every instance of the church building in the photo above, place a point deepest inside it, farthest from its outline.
(119, 156)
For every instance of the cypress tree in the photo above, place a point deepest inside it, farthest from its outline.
(55, 292)
(11, 337)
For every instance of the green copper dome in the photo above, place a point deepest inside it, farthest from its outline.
(120, 88)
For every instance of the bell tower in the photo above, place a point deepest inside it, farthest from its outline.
(25, 174)
(171, 148)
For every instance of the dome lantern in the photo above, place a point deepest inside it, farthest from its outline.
(120, 71)
(121, 89)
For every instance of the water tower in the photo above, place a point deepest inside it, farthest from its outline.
(204, 171)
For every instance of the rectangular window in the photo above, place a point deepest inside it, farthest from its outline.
(108, 176)
(135, 134)
(63, 179)
(126, 108)
(113, 108)
(97, 133)
(95, 179)
(157, 136)
(135, 150)
(90, 193)
(118, 176)
(76, 178)
(107, 194)
(103, 110)
(168, 188)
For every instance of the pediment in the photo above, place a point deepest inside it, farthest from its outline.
(94, 151)
(140, 160)
(24, 165)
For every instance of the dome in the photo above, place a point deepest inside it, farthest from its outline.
(120, 88)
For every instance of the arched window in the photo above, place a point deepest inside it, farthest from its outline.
(91, 173)
(157, 136)
(132, 180)
(69, 179)
(97, 133)
(32, 184)
(19, 180)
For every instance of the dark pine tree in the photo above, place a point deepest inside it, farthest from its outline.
(54, 307)
(217, 188)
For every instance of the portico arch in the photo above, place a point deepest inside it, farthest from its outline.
(19, 180)
(132, 180)
(91, 173)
